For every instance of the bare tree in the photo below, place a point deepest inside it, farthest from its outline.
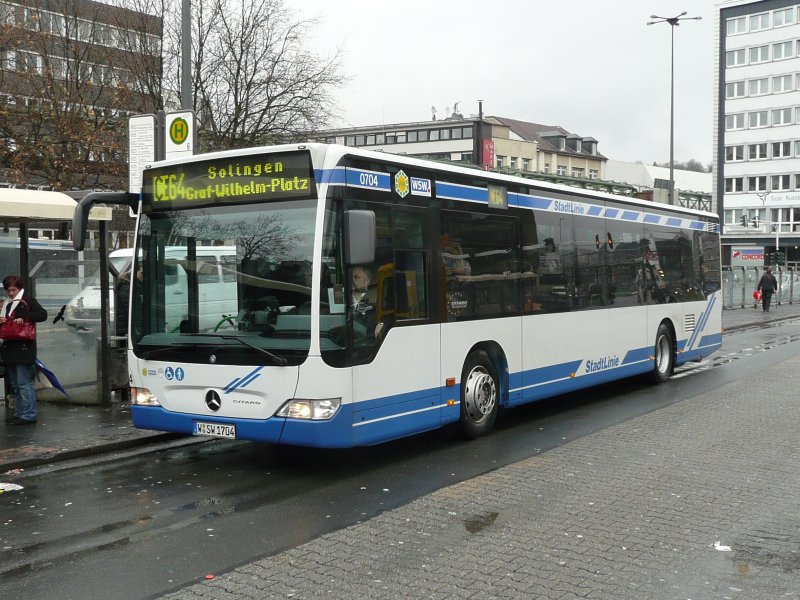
(254, 82)
(70, 75)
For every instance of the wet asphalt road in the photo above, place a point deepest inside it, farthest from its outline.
(151, 522)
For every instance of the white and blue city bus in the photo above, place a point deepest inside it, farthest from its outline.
(481, 291)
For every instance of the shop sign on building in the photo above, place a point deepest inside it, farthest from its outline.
(747, 256)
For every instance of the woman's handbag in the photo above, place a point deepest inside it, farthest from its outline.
(11, 331)
(757, 295)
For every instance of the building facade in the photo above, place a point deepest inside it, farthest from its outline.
(757, 127)
(71, 71)
(546, 151)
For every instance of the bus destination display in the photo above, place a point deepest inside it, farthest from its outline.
(231, 180)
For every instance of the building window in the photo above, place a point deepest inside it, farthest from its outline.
(380, 138)
(434, 135)
(512, 162)
(757, 184)
(782, 51)
(412, 136)
(444, 134)
(782, 116)
(29, 62)
(758, 118)
(781, 83)
(734, 153)
(734, 58)
(360, 139)
(781, 149)
(734, 184)
(371, 139)
(757, 151)
(594, 173)
(561, 170)
(546, 168)
(733, 122)
(759, 54)
(526, 164)
(499, 161)
(779, 183)
(734, 90)
(577, 172)
(759, 87)
(456, 133)
(6, 13)
(422, 136)
(466, 132)
(759, 22)
(783, 17)
(797, 181)
(736, 26)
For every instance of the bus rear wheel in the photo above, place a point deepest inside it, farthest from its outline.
(480, 395)
(664, 354)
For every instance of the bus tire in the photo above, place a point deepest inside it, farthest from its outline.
(480, 395)
(664, 355)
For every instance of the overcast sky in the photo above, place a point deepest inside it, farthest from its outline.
(593, 67)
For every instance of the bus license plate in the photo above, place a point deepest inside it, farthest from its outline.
(215, 429)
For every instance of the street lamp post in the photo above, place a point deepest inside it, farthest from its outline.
(673, 22)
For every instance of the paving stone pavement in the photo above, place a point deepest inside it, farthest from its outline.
(697, 500)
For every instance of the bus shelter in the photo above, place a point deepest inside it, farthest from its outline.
(53, 271)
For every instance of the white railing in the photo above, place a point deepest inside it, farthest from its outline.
(739, 283)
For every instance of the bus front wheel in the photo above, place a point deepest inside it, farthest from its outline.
(664, 355)
(480, 394)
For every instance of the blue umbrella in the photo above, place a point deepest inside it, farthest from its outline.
(51, 377)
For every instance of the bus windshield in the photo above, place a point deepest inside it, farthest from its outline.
(231, 281)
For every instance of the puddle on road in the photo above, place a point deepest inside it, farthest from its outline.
(480, 522)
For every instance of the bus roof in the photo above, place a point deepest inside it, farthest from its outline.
(337, 152)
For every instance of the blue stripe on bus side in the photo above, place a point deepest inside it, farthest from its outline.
(452, 191)
(524, 201)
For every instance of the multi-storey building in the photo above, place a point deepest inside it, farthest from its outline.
(530, 149)
(757, 127)
(549, 151)
(70, 73)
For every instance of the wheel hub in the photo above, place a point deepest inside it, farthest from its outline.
(480, 394)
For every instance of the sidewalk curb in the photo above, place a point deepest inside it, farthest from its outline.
(754, 323)
(95, 450)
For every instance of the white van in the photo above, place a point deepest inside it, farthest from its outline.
(216, 285)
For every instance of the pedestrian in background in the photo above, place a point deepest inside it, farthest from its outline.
(19, 356)
(767, 286)
(122, 294)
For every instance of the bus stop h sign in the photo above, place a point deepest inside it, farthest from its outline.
(179, 133)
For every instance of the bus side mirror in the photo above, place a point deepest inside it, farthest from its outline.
(359, 237)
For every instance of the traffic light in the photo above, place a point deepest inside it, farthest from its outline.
(744, 220)
(780, 258)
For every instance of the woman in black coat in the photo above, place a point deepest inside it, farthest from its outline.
(20, 356)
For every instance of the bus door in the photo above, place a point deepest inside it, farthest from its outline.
(394, 346)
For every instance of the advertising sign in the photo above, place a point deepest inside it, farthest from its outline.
(488, 153)
(747, 256)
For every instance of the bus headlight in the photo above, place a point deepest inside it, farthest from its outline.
(143, 397)
(314, 410)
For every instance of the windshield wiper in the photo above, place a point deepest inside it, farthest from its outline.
(164, 350)
(279, 360)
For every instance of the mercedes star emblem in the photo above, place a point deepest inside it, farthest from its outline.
(213, 401)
